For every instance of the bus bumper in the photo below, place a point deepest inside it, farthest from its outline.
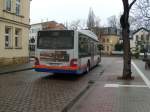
(63, 71)
(58, 71)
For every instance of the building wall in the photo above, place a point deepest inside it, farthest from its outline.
(33, 34)
(11, 16)
(109, 42)
(140, 34)
(14, 55)
(34, 30)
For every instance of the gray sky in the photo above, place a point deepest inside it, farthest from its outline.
(69, 10)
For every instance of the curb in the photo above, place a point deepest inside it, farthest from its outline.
(13, 71)
(70, 105)
(76, 99)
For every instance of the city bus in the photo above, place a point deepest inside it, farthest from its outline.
(66, 51)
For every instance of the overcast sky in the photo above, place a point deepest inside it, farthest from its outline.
(70, 10)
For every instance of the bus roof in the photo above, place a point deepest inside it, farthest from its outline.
(89, 33)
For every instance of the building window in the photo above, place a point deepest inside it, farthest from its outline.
(18, 5)
(103, 40)
(142, 37)
(17, 38)
(137, 37)
(8, 5)
(8, 31)
(147, 37)
(107, 48)
(107, 40)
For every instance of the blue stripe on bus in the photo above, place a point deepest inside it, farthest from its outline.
(58, 71)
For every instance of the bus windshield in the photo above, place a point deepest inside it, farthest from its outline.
(55, 39)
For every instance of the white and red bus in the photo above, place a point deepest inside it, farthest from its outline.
(66, 51)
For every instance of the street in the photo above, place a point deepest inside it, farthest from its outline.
(30, 91)
(70, 56)
(110, 94)
(141, 65)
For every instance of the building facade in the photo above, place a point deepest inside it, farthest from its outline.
(141, 39)
(109, 42)
(108, 37)
(33, 36)
(14, 31)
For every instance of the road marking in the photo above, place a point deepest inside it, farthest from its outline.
(118, 85)
(111, 85)
(147, 82)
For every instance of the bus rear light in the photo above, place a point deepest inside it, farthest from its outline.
(36, 61)
(73, 62)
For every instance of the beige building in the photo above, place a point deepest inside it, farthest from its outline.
(108, 37)
(109, 42)
(14, 31)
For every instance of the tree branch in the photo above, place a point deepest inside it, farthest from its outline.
(132, 4)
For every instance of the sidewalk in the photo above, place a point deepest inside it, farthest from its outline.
(109, 94)
(15, 68)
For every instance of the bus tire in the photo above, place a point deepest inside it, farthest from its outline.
(88, 67)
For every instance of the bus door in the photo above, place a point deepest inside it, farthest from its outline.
(92, 53)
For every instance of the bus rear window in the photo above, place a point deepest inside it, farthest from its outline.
(55, 40)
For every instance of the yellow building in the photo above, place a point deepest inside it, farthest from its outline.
(14, 31)
(109, 42)
(108, 37)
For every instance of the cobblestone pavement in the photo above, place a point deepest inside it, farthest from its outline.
(113, 98)
(29, 91)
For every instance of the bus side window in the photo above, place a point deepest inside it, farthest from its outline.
(89, 47)
(95, 49)
(83, 46)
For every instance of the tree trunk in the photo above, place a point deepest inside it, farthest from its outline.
(127, 54)
(124, 21)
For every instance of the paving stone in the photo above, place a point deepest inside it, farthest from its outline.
(115, 99)
(30, 91)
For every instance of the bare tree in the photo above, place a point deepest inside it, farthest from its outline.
(66, 25)
(96, 29)
(133, 23)
(75, 25)
(112, 21)
(91, 19)
(141, 11)
(97, 21)
(124, 21)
